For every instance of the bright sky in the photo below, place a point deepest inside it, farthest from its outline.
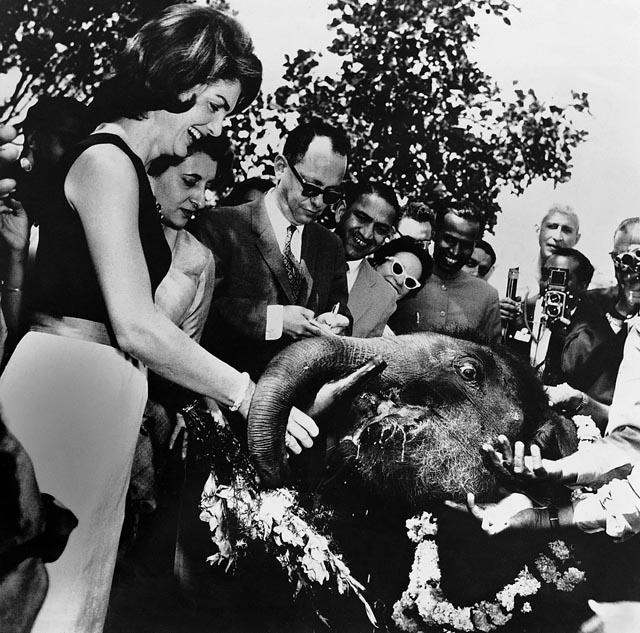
(552, 46)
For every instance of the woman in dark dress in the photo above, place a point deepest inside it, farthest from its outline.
(75, 388)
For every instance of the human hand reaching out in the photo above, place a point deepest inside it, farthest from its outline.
(515, 464)
(8, 154)
(612, 617)
(332, 323)
(301, 429)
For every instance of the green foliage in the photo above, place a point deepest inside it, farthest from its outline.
(419, 111)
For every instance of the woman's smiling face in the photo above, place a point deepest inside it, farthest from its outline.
(213, 103)
(181, 189)
(411, 266)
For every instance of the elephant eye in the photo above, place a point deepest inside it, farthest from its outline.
(468, 371)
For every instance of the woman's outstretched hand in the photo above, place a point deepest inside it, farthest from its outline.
(301, 429)
(515, 464)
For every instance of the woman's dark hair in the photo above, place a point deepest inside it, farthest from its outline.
(354, 190)
(217, 147)
(405, 244)
(186, 46)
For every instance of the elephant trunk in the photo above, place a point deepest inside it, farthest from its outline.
(299, 369)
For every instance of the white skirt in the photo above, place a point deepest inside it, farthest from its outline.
(76, 407)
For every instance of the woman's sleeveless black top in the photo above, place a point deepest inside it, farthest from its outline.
(65, 282)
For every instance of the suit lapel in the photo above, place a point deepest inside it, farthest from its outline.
(360, 298)
(268, 246)
(308, 258)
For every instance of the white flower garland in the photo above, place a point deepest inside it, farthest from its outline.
(275, 518)
(424, 597)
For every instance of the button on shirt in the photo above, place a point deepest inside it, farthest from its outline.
(280, 224)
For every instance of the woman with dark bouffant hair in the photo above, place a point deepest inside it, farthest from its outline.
(75, 388)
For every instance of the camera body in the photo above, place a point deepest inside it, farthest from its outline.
(555, 301)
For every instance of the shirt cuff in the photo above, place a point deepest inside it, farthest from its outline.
(275, 317)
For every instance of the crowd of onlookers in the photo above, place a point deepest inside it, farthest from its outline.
(126, 244)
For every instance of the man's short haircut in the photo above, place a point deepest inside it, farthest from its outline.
(562, 209)
(355, 190)
(300, 138)
(409, 245)
(464, 212)
(488, 249)
(584, 270)
(419, 212)
(626, 226)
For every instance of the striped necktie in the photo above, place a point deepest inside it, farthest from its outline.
(293, 272)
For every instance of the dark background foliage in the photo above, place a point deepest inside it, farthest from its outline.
(420, 112)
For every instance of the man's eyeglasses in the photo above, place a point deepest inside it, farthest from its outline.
(410, 283)
(627, 262)
(329, 196)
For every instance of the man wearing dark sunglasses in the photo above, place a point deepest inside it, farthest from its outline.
(451, 299)
(280, 275)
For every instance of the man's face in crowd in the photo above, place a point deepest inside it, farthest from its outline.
(320, 166)
(419, 231)
(625, 241)
(365, 225)
(557, 231)
(479, 264)
(454, 242)
(574, 286)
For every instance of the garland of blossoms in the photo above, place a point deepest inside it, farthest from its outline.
(237, 510)
(423, 602)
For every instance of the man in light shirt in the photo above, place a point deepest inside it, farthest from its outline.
(280, 276)
(363, 224)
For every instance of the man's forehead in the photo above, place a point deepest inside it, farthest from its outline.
(562, 219)
(455, 225)
(627, 240)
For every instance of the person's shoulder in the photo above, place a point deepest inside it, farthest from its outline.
(226, 217)
(479, 287)
(192, 254)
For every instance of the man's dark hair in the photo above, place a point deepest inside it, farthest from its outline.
(300, 138)
(419, 212)
(584, 270)
(241, 189)
(464, 212)
(355, 190)
(405, 244)
(488, 249)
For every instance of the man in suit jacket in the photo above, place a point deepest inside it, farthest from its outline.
(279, 274)
(363, 224)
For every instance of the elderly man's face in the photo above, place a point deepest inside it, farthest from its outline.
(320, 166)
(557, 231)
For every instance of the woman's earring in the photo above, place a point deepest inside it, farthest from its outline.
(159, 210)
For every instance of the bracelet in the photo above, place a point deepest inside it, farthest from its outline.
(6, 288)
(242, 392)
(553, 517)
(584, 401)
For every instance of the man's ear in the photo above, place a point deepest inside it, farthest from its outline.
(339, 210)
(279, 166)
(578, 236)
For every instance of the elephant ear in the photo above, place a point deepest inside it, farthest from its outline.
(557, 437)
